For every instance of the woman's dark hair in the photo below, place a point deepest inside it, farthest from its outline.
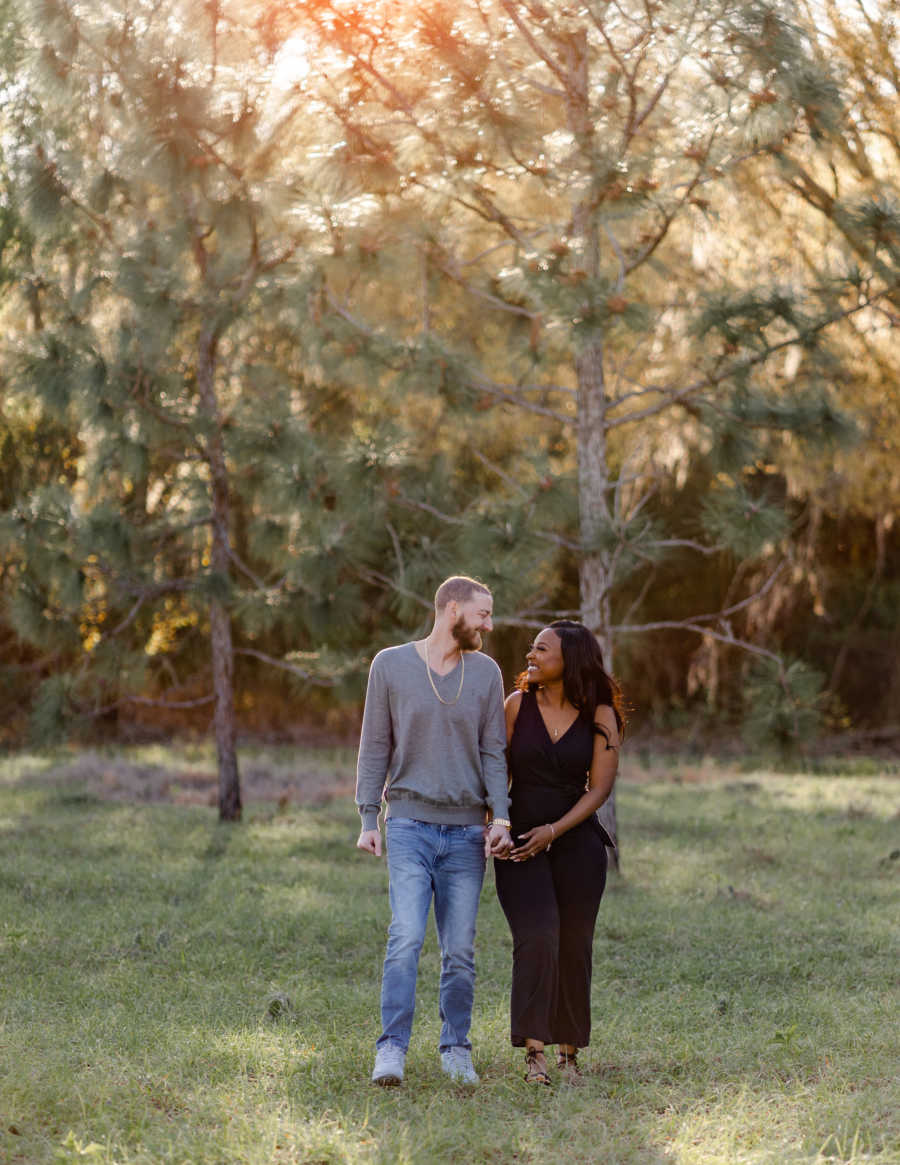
(586, 682)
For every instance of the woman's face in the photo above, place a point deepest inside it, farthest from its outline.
(545, 659)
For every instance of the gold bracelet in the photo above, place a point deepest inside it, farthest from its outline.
(500, 821)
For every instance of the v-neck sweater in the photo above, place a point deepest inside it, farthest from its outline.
(442, 763)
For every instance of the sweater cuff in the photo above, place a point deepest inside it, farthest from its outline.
(369, 815)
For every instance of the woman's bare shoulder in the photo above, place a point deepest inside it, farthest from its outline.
(606, 724)
(511, 705)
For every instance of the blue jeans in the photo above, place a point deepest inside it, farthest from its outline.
(425, 861)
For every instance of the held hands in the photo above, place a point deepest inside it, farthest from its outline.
(532, 842)
(370, 841)
(497, 842)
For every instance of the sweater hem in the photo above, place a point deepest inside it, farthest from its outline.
(436, 814)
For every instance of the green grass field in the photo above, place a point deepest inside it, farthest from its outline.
(745, 985)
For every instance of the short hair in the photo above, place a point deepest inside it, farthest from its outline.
(459, 588)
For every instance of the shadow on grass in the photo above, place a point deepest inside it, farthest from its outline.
(742, 965)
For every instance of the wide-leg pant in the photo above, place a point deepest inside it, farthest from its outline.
(551, 903)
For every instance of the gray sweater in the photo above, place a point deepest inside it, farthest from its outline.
(443, 763)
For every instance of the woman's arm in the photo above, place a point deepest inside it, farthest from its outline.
(605, 761)
(604, 764)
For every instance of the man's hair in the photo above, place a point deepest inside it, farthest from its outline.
(457, 589)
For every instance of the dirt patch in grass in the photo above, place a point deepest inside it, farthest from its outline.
(303, 777)
(308, 782)
(185, 775)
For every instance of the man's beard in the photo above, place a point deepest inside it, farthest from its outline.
(467, 638)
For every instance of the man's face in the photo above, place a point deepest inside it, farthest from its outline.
(473, 617)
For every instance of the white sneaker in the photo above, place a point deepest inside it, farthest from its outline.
(457, 1063)
(389, 1062)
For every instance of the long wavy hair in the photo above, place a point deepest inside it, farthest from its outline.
(586, 682)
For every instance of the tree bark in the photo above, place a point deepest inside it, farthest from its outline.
(594, 574)
(220, 560)
(593, 509)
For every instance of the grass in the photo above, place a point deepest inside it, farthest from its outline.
(176, 990)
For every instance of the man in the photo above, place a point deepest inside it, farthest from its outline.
(433, 745)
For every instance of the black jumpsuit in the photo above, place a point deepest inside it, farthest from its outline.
(551, 900)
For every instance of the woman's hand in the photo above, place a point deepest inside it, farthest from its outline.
(533, 842)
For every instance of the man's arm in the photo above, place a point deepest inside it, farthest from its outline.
(492, 743)
(375, 747)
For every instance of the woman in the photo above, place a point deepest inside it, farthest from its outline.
(563, 727)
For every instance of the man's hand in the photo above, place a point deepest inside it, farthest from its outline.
(370, 841)
(497, 842)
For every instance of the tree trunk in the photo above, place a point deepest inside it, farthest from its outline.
(224, 720)
(593, 509)
(219, 616)
(593, 469)
(593, 480)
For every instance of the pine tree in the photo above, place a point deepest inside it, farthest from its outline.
(833, 193)
(174, 235)
(551, 167)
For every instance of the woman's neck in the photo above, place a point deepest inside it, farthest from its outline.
(554, 694)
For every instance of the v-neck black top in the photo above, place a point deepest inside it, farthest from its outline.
(547, 776)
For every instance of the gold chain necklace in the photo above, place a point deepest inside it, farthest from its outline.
(462, 676)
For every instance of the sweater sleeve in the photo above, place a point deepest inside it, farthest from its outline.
(375, 746)
(492, 743)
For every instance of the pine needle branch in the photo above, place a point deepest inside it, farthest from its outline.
(699, 629)
(146, 702)
(700, 623)
(558, 540)
(671, 397)
(375, 576)
(128, 620)
(521, 621)
(254, 578)
(670, 215)
(398, 549)
(635, 605)
(346, 315)
(623, 268)
(286, 665)
(501, 304)
(515, 486)
(416, 504)
(512, 11)
(510, 396)
(452, 520)
(744, 364)
(687, 543)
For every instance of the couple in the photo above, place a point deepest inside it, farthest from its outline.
(434, 744)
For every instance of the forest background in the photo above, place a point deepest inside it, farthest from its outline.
(308, 305)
